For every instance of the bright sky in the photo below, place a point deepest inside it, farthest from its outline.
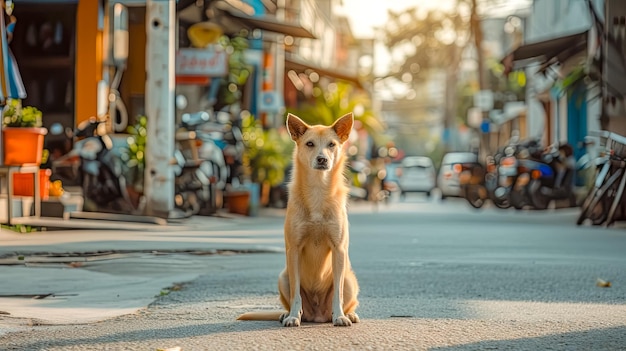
(366, 16)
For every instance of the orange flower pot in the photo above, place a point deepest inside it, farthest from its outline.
(23, 145)
(238, 202)
(23, 184)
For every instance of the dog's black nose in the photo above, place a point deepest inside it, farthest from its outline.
(322, 161)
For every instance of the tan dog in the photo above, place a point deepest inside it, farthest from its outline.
(317, 284)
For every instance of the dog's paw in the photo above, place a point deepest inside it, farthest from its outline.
(353, 317)
(290, 321)
(342, 321)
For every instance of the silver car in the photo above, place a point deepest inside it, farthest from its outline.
(451, 167)
(416, 174)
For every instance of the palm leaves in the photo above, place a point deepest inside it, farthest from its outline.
(339, 99)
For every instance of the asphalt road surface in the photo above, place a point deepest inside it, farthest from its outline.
(433, 276)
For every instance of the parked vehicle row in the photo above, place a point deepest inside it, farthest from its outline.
(417, 174)
(209, 146)
(521, 175)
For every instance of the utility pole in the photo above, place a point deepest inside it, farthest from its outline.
(477, 34)
(159, 106)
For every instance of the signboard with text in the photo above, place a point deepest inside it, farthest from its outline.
(201, 62)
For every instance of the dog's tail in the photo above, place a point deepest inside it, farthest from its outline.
(261, 316)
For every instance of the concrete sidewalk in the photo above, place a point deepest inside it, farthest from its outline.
(83, 276)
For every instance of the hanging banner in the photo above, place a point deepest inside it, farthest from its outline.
(201, 62)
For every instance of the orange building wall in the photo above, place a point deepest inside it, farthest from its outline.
(137, 58)
(133, 84)
(88, 59)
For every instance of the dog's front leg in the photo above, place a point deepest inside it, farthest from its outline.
(295, 305)
(339, 266)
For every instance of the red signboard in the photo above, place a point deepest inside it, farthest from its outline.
(201, 62)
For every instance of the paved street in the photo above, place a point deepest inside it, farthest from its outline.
(433, 275)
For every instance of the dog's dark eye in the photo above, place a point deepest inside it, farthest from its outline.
(310, 144)
(331, 144)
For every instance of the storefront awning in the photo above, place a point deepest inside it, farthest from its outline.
(263, 22)
(271, 25)
(297, 65)
(546, 52)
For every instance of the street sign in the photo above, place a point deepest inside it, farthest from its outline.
(270, 101)
(485, 126)
(201, 62)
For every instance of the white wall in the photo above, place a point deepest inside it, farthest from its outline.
(551, 19)
(555, 18)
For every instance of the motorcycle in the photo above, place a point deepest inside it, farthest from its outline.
(472, 179)
(547, 183)
(506, 176)
(96, 159)
(196, 182)
(513, 175)
(526, 154)
(223, 142)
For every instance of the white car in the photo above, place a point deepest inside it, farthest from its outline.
(451, 167)
(416, 174)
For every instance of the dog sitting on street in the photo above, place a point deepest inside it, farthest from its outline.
(317, 284)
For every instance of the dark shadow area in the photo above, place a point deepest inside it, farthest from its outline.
(610, 339)
(147, 335)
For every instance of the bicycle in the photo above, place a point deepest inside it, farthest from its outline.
(600, 176)
(609, 186)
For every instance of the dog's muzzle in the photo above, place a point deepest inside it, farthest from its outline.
(321, 163)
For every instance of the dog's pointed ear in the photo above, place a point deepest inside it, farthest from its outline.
(296, 126)
(343, 126)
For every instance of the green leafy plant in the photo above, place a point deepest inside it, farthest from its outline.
(335, 101)
(14, 115)
(134, 156)
(267, 153)
(19, 228)
(238, 69)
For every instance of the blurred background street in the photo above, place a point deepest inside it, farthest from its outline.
(144, 164)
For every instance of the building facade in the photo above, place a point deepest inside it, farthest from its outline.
(578, 70)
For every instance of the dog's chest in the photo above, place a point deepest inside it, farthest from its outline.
(320, 233)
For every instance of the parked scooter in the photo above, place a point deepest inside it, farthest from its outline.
(552, 177)
(196, 177)
(506, 176)
(526, 154)
(472, 182)
(512, 173)
(223, 143)
(96, 156)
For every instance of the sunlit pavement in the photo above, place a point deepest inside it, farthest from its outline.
(434, 275)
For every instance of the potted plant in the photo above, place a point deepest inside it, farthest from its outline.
(22, 134)
(134, 158)
(267, 155)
